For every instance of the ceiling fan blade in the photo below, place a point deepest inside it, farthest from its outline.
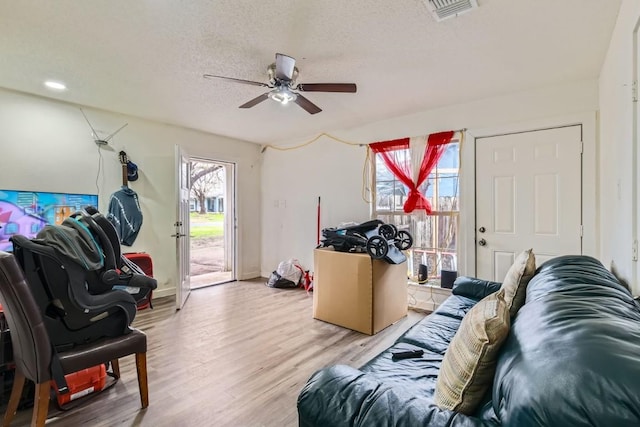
(284, 67)
(327, 87)
(309, 106)
(248, 82)
(255, 101)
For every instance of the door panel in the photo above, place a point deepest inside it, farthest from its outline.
(528, 195)
(545, 211)
(504, 205)
(501, 263)
(183, 173)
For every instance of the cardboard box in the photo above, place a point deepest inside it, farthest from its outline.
(357, 292)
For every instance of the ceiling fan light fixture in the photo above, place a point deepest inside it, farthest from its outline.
(282, 95)
(283, 87)
(271, 72)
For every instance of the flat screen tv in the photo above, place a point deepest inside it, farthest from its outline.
(27, 212)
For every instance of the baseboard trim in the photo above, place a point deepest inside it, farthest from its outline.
(249, 275)
(164, 292)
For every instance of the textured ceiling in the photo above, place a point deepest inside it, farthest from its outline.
(146, 58)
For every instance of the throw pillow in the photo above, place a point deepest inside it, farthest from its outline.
(472, 287)
(516, 280)
(469, 363)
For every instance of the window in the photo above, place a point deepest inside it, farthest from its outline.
(11, 228)
(434, 235)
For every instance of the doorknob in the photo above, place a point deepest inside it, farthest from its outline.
(482, 242)
(482, 229)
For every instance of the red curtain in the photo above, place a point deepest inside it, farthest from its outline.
(401, 168)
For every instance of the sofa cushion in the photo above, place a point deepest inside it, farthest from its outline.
(436, 331)
(418, 374)
(342, 396)
(471, 287)
(469, 362)
(573, 355)
(516, 280)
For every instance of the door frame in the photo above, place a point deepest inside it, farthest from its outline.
(635, 156)
(230, 207)
(590, 207)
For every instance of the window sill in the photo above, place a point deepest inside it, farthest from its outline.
(432, 283)
(426, 297)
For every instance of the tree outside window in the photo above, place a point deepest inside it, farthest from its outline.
(205, 179)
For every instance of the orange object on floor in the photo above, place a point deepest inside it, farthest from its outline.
(82, 383)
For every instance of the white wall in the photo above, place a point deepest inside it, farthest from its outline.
(47, 146)
(333, 170)
(617, 183)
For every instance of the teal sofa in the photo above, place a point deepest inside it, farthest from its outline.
(572, 358)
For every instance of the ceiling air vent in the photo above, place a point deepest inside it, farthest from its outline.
(444, 9)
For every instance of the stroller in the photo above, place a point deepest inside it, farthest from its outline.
(379, 240)
(74, 271)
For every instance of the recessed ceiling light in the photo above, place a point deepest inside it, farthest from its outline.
(55, 85)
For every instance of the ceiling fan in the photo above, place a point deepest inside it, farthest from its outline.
(284, 88)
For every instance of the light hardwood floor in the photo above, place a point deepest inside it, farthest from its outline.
(237, 354)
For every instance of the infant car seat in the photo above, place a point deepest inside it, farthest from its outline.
(72, 269)
(119, 272)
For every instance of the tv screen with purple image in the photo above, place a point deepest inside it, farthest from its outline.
(27, 212)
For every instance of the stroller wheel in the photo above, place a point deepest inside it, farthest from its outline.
(377, 247)
(403, 240)
(388, 231)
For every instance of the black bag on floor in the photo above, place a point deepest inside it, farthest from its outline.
(277, 281)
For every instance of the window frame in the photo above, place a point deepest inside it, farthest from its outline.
(395, 211)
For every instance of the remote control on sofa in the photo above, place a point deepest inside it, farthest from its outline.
(407, 354)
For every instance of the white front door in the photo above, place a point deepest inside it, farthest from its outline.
(528, 195)
(183, 175)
